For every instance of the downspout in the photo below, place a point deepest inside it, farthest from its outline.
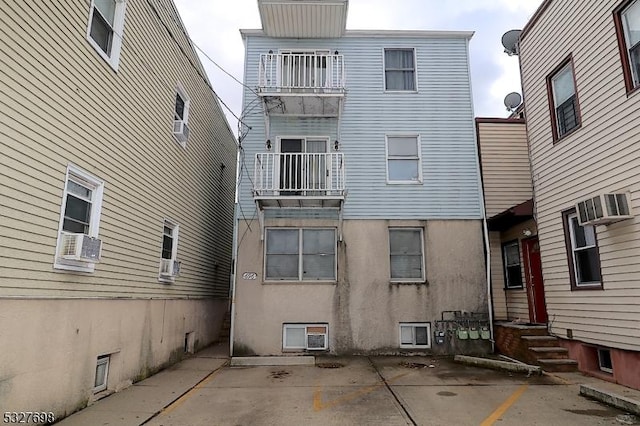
(234, 256)
(485, 228)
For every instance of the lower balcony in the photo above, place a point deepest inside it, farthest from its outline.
(299, 180)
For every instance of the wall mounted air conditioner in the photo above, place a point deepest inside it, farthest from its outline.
(604, 209)
(317, 338)
(80, 248)
(169, 268)
(181, 130)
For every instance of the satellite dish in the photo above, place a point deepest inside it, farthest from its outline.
(512, 101)
(510, 42)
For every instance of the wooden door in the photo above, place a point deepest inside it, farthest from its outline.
(534, 282)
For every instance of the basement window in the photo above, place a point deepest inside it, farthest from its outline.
(415, 335)
(604, 361)
(102, 372)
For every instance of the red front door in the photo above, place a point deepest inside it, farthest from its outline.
(533, 276)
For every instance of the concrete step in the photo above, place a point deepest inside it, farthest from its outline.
(537, 341)
(558, 365)
(550, 352)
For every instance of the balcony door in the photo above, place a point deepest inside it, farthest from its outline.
(303, 166)
(304, 69)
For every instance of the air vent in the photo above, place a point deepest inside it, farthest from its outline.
(80, 248)
(169, 268)
(181, 130)
(604, 209)
(316, 338)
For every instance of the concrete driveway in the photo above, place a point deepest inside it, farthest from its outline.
(382, 391)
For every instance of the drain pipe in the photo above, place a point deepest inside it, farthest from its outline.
(234, 271)
(489, 292)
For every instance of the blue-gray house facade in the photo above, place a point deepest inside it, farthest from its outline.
(360, 217)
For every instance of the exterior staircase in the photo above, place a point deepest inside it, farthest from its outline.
(533, 344)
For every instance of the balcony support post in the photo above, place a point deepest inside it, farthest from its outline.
(340, 223)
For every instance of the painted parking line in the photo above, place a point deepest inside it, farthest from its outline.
(319, 405)
(493, 417)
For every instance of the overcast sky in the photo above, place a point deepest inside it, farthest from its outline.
(214, 27)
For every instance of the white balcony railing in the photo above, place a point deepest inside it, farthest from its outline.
(291, 71)
(299, 175)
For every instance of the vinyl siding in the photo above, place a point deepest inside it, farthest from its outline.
(509, 304)
(62, 103)
(504, 156)
(440, 112)
(602, 156)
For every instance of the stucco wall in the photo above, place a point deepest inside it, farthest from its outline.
(50, 347)
(363, 308)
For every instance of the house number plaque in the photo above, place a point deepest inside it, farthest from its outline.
(249, 276)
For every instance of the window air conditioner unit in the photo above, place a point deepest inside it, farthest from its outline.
(80, 247)
(603, 209)
(169, 268)
(181, 130)
(317, 338)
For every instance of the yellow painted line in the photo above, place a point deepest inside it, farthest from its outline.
(319, 405)
(505, 406)
(169, 408)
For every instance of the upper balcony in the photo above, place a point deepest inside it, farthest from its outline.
(303, 18)
(299, 179)
(310, 84)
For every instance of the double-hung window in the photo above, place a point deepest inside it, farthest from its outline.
(511, 259)
(564, 100)
(106, 25)
(582, 250)
(406, 254)
(627, 18)
(181, 116)
(307, 254)
(169, 265)
(399, 70)
(403, 159)
(78, 247)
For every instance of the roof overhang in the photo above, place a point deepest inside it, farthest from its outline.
(511, 217)
(303, 18)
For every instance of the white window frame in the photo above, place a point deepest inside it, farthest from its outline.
(408, 228)
(635, 79)
(418, 158)
(300, 255)
(118, 34)
(102, 360)
(181, 91)
(384, 69)
(175, 228)
(301, 326)
(413, 325)
(574, 249)
(96, 185)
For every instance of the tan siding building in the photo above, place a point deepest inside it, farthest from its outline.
(580, 82)
(117, 185)
(506, 178)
